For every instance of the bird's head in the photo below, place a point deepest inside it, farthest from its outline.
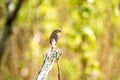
(57, 31)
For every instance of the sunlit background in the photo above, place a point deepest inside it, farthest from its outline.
(90, 39)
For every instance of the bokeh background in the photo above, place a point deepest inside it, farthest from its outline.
(90, 39)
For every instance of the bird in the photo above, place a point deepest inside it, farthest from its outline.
(54, 37)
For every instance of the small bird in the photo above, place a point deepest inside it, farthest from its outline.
(54, 37)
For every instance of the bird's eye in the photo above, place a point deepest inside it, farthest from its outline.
(59, 31)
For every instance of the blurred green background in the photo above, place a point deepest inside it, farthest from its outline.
(90, 39)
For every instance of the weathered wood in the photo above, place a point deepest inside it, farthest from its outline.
(51, 57)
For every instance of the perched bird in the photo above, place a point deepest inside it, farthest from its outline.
(54, 38)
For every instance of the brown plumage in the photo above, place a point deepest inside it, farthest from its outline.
(54, 37)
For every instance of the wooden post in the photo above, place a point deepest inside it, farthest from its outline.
(51, 57)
